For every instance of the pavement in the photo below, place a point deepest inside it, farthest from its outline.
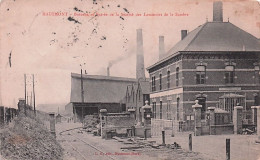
(242, 147)
(75, 149)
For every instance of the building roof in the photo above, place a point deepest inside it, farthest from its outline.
(99, 89)
(215, 36)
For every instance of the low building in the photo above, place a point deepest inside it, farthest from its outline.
(99, 92)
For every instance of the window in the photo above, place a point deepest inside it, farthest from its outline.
(201, 75)
(256, 100)
(229, 74)
(153, 83)
(160, 109)
(139, 95)
(168, 79)
(168, 109)
(178, 108)
(160, 82)
(133, 96)
(177, 76)
(154, 110)
(123, 107)
(257, 74)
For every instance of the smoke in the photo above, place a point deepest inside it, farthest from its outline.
(121, 58)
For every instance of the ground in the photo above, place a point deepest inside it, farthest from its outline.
(243, 147)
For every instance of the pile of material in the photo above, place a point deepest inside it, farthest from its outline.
(29, 140)
(136, 143)
(91, 122)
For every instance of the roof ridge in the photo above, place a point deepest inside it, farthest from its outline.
(196, 35)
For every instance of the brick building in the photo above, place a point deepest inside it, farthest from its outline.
(217, 63)
(136, 95)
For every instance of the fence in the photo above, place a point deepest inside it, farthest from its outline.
(159, 125)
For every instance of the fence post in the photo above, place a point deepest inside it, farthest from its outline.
(190, 142)
(212, 120)
(145, 137)
(197, 118)
(163, 137)
(227, 149)
(258, 124)
(2, 142)
(52, 123)
(172, 129)
(237, 119)
(2, 117)
(254, 114)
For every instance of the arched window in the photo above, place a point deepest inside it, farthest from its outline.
(160, 81)
(177, 76)
(256, 100)
(153, 83)
(168, 79)
(178, 108)
(154, 110)
(160, 109)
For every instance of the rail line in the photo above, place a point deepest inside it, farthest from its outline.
(84, 142)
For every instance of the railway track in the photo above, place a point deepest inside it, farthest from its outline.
(84, 149)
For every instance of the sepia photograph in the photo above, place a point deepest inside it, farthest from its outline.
(129, 80)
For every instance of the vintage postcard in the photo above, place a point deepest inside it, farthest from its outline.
(136, 79)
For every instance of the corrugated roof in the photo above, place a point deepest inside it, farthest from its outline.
(215, 36)
(101, 77)
(99, 89)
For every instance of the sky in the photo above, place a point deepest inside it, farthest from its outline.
(51, 47)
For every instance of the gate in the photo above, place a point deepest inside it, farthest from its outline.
(205, 123)
(159, 125)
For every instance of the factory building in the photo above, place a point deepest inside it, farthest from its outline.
(217, 64)
(137, 93)
(90, 93)
(100, 92)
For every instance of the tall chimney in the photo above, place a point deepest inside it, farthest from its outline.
(161, 47)
(217, 11)
(183, 34)
(139, 56)
(108, 72)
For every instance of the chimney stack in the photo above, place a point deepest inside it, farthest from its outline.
(139, 56)
(161, 47)
(108, 72)
(217, 11)
(183, 34)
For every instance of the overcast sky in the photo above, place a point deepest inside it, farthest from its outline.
(51, 47)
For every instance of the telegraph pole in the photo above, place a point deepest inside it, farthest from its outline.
(82, 93)
(34, 97)
(25, 94)
(31, 99)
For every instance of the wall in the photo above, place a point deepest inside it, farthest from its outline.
(119, 123)
(246, 80)
(222, 129)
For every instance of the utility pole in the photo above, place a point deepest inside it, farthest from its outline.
(34, 97)
(25, 94)
(31, 99)
(27, 98)
(82, 93)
